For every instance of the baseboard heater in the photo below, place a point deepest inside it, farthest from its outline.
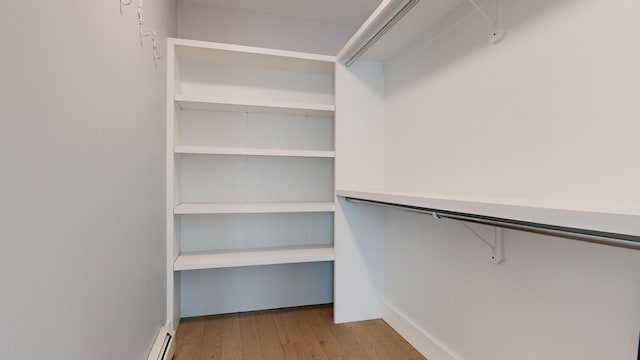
(164, 347)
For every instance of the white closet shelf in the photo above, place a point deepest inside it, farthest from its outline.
(252, 151)
(221, 53)
(252, 208)
(215, 103)
(521, 210)
(252, 257)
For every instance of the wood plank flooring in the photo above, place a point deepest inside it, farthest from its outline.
(305, 333)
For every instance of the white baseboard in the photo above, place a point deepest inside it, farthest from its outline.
(420, 339)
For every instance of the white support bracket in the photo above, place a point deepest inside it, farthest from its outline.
(494, 16)
(496, 245)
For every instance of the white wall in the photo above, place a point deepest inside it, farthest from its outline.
(549, 116)
(82, 156)
(208, 23)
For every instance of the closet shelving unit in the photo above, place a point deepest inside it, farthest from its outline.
(250, 134)
(363, 194)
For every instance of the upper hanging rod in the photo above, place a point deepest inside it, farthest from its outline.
(602, 237)
(390, 12)
(393, 19)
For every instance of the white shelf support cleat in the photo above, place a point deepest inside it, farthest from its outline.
(495, 18)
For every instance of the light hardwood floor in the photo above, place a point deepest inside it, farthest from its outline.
(290, 334)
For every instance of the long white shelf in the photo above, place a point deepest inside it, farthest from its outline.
(252, 208)
(608, 222)
(215, 103)
(252, 257)
(221, 53)
(252, 151)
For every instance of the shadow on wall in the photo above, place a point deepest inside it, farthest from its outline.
(462, 32)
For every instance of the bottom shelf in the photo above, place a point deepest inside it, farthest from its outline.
(252, 257)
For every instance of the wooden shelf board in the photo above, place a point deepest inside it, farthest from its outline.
(252, 257)
(214, 103)
(252, 151)
(252, 208)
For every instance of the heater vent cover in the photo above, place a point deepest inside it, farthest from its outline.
(164, 346)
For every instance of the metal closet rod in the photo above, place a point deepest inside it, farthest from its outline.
(601, 237)
(383, 30)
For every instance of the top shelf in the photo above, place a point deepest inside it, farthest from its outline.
(224, 77)
(628, 224)
(237, 55)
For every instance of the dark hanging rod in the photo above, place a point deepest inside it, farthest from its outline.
(601, 237)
